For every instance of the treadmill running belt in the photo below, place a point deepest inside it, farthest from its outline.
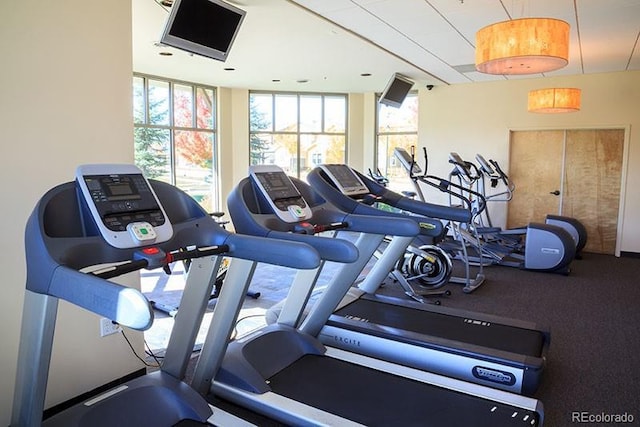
(496, 336)
(376, 398)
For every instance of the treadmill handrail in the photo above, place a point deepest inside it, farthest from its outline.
(51, 252)
(247, 222)
(432, 210)
(396, 226)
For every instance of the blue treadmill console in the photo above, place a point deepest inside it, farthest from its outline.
(123, 205)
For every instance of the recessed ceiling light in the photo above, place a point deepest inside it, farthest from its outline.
(167, 3)
(366, 74)
(229, 69)
(276, 80)
(302, 81)
(165, 53)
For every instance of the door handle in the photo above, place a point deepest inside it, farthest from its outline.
(555, 193)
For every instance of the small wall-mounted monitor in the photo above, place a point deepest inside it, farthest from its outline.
(204, 27)
(396, 91)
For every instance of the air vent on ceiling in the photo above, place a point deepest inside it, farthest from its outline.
(465, 68)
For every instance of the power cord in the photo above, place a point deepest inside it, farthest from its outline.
(235, 328)
(157, 358)
(147, 351)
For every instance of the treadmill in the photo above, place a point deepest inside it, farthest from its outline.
(288, 375)
(494, 351)
(112, 215)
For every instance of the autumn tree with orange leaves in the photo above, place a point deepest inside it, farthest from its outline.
(194, 147)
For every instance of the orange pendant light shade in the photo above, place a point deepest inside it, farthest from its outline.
(554, 100)
(523, 46)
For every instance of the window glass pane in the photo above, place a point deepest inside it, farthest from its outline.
(184, 158)
(403, 119)
(261, 112)
(310, 113)
(138, 100)
(204, 108)
(286, 115)
(260, 149)
(397, 127)
(276, 149)
(183, 106)
(335, 114)
(152, 152)
(291, 148)
(158, 102)
(389, 165)
(318, 149)
(194, 166)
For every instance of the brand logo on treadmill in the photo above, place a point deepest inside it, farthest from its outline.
(346, 341)
(493, 375)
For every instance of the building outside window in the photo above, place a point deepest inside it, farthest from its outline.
(297, 131)
(397, 127)
(175, 135)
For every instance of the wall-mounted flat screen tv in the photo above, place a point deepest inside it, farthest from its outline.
(396, 91)
(203, 27)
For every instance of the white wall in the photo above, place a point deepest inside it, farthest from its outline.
(476, 118)
(65, 99)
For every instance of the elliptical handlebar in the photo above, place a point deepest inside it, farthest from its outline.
(445, 185)
(503, 176)
(467, 171)
(491, 169)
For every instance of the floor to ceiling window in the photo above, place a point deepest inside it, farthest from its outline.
(396, 127)
(297, 131)
(175, 135)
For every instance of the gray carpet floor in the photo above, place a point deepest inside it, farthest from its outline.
(593, 366)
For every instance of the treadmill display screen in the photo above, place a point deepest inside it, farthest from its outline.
(345, 179)
(277, 185)
(112, 188)
(123, 198)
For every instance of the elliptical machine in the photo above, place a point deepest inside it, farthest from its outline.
(492, 171)
(548, 248)
(537, 246)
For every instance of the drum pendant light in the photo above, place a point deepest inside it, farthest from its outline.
(523, 46)
(554, 100)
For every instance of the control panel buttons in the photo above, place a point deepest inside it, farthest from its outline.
(296, 211)
(142, 232)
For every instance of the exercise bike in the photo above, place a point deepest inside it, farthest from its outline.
(464, 243)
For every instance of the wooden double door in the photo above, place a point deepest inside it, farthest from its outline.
(575, 173)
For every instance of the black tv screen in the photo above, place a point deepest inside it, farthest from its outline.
(396, 91)
(203, 27)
